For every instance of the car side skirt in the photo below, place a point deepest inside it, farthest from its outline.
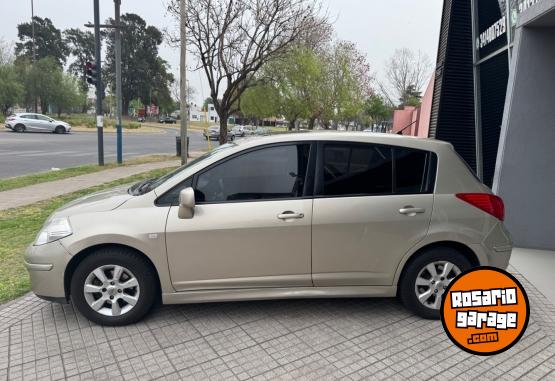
(277, 293)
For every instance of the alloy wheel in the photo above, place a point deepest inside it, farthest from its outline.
(111, 290)
(432, 281)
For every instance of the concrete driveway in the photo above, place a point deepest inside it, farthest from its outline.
(300, 339)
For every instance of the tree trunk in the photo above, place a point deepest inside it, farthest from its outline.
(292, 124)
(223, 129)
(311, 122)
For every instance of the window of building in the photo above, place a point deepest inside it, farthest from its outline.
(269, 173)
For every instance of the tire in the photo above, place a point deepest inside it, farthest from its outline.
(432, 288)
(19, 128)
(135, 269)
(60, 130)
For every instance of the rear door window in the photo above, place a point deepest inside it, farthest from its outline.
(356, 169)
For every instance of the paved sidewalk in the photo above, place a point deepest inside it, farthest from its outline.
(331, 339)
(33, 193)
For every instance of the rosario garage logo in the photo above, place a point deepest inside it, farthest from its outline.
(485, 311)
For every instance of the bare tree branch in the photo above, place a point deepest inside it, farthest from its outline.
(232, 39)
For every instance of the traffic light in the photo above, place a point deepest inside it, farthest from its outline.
(91, 73)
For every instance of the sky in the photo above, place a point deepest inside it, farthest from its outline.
(377, 27)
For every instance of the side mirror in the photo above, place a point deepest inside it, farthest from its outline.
(186, 203)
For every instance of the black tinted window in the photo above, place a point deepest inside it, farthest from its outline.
(268, 173)
(410, 169)
(356, 169)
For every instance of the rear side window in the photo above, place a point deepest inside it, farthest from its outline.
(356, 170)
(369, 169)
(410, 170)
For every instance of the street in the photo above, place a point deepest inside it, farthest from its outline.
(26, 153)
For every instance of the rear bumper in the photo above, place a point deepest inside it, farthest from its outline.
(496, 248)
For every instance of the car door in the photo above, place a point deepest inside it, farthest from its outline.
(30, 121)
(251, 226)
(372, 204)
(44, 124)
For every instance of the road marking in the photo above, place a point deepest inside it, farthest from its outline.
(16, 153)
(59, 153)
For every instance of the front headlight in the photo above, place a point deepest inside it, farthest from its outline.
(54, 230)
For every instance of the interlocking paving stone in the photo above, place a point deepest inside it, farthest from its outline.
(352, 339)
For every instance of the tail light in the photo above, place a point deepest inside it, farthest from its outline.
(489, 203)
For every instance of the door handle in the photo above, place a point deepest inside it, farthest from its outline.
(411, 211)
(289, 215)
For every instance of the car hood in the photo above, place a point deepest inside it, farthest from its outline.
(96, 202)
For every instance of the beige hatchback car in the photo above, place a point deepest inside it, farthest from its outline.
(314, 215)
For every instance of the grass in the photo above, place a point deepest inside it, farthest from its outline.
(89, 121)
(36, 178)
(19, 226)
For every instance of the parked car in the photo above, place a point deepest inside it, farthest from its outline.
(28, 121)
(289, 216)
(213, 133)
(141, 119)
(167, 120)
(239, 131)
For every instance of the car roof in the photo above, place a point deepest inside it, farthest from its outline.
(348, 136)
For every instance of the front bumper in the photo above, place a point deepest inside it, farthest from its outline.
(46, 265)
(8, 126)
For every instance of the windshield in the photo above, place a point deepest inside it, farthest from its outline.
(146, 186)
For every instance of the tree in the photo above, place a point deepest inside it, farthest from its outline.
(11, 89)
(207, 101)
(376, 108)
(411, 97)
(406, 70)
(232, 40)
(144, 73)
(66, 94)
(48, 41)
(80, 45)
(40, 80)
(261, 101)
(6, 52)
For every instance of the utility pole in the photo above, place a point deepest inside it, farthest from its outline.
(99, 87)
(118, 83)
(183, 82)
(34, 47)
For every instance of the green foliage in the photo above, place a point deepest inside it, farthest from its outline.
(11, 88)
(48, 41)
(330, 85)
(261, 101)
(80, 45)
(66, 95)
(411, 97)
(144, 73)
(207, 102)
(376, 108)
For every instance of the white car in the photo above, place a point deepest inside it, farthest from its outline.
(27, 121)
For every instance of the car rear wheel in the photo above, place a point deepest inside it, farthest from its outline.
(114, 287)
(59, 130)
(19, 128)
(426, 278)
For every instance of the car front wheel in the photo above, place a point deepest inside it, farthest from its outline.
(114, 286)
(426, 278)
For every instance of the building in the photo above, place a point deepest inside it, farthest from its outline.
(494, 100)
(415, 121)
